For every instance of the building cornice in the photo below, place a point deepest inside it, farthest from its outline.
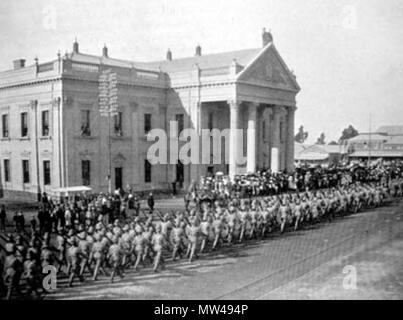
(30, 83)
(231, 82)
(122, 83)
(146, 85)
(249, 83)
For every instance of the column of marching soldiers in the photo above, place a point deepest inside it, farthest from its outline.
(106, 235)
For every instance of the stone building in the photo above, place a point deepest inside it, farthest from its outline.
(53, 135)
(316, 154)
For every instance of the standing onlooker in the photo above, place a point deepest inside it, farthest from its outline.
(41, 219)
(3, 218)
(19, 222)
(67, 218)
(150, 202)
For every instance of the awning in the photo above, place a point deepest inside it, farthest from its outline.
(376, 154)
(72, 190)
(311, 156)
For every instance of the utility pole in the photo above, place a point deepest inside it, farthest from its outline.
(369, 142)
(109, 155)
(34, 108)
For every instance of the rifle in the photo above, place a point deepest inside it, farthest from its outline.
(159, 214)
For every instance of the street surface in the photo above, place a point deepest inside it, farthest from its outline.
(307, 264)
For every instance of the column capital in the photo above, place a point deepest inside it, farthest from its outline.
(233, 103)
(293, 109)
(252, 110)
(254, 104)
(56, 102)
(280, 110)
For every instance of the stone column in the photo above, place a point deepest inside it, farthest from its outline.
(275, 150)
(57, 145)
(290, 139)
(251, 137)
(137, 133)
(233, 143)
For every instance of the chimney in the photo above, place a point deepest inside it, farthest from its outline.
(169, 55)
(198, 50)
(19, 64)
(266, 37)
(105, 51)
(75, 46)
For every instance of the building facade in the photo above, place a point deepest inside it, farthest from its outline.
(53, 134)
(386, 143)
(324, 155)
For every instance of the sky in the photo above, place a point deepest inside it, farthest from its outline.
(347, 54)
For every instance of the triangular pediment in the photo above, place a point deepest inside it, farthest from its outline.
(119, 158)
(268, 69)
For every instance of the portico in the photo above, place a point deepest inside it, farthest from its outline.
(267, 140)
(257, 103)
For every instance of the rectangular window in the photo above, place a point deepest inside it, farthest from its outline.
(147, 171)
(210, 121)
(45, 123)
(4, 122)
(85, 123)
(25, 171)
(147, 123)
(86, 172)
(46, 172)
(7, 176)
(24, 124)
(180, 122)
(118, 124)
(264, 130)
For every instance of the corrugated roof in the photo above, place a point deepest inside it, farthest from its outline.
(395, 140)
(312, 152)
(316, 151)
(318, 148)
(308, 156)
(298, 147)
(335, 148)
(91, 59)
(391, 130)
(208, 61)
(377, 154)
(366, 137)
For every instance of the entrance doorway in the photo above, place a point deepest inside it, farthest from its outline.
(118, 178)
(180, 173)
(210, 171)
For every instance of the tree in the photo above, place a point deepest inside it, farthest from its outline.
(333, 143)
(321, 139)
(301, 136)
(348, 133)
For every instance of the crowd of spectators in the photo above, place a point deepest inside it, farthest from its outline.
(265, 183)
